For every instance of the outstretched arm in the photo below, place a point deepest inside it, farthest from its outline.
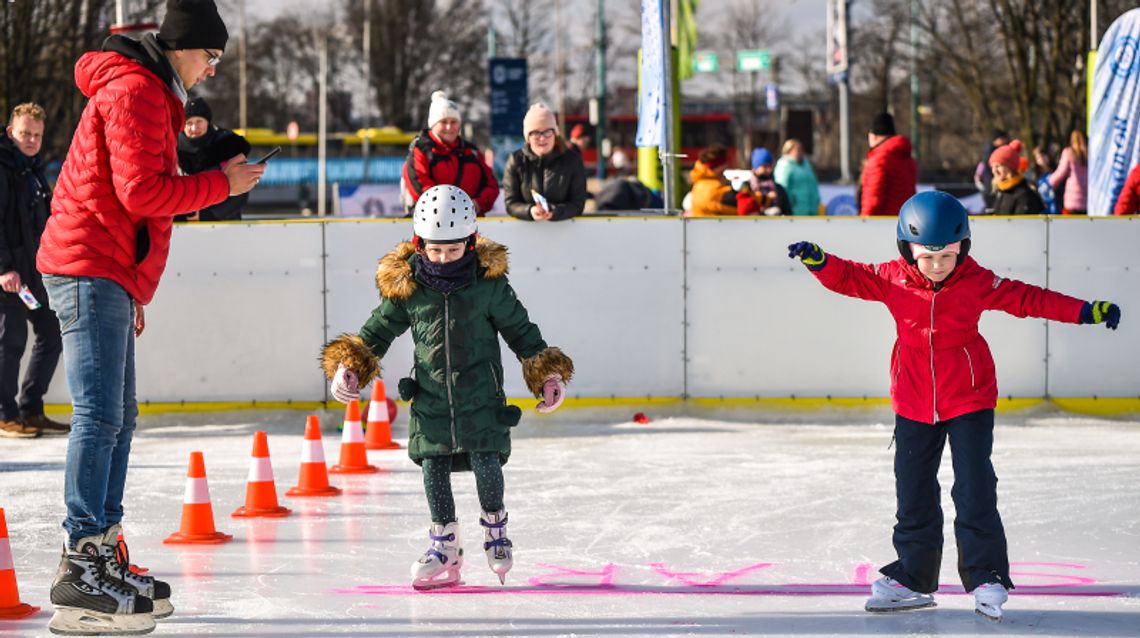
(850, 278)
(546, 369)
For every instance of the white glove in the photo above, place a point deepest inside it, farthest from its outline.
(553, 391)
(345, 386)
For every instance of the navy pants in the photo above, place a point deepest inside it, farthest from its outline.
(982, 555)
(14, 320)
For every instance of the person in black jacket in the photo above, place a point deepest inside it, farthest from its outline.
(25, 203)
(204, 147)
(547, 166)
(1012, 193)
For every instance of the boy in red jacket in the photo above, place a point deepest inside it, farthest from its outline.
(943, 386)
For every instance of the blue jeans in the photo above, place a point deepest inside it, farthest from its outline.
(97, 321)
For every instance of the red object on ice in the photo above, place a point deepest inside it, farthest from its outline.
(640, 418)
(391, 409)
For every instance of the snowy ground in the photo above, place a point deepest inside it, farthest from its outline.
(728, 524)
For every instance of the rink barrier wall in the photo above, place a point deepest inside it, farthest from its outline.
(663, 310)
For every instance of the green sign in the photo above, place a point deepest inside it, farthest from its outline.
(705, 62)
(752, 61)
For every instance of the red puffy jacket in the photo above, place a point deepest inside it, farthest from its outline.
(889, 177)
(431, 162)
(1128, 203)
(119, 188)
(941, 367)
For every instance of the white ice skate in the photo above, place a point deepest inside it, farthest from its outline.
(440, 564)
(988, 599)
(495, 542)
(888, 594)
(89, 603)
(118, 569)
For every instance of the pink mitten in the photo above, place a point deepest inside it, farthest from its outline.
(553, 391)
(345, 386)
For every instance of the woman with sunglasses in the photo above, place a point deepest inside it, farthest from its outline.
(544, 180)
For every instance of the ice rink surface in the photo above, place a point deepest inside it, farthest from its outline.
(726, 524)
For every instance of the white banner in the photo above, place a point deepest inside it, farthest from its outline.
(1114, 132)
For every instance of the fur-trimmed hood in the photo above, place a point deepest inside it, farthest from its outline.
(395, 279)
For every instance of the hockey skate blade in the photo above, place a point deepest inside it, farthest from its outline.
(163, 608)
(74, 621)
(891, 607)
(990, 614)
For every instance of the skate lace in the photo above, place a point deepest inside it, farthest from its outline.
(438, 541)
(102, 582)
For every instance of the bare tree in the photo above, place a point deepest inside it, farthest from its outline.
(421, 46)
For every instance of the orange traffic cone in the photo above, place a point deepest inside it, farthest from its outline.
(260, 490)
(134, 568)
(314, 477)
(378, 434)
(197, 514)
(10, 606)
(353, 458)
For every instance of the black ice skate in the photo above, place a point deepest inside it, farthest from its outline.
(89, 603)
(118, 569)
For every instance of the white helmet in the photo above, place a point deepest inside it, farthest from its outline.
(444, 213)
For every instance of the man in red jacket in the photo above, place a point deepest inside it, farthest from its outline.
(890, 173)
(943, 387)
(1128, 203)
(102, 254)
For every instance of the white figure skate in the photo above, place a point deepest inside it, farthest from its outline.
(440, 564)
(988, 599)
(500, 555)
(888, 594)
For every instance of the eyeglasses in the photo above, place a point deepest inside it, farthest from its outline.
(541, 135)
(212, 59)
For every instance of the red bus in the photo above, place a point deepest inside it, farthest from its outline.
(698, 130)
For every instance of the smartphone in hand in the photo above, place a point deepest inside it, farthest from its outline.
(268, 155)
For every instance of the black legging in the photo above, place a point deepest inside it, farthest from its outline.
(437, 484)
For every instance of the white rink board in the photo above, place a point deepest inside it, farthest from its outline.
(235, 316)
(241, 311)
(1096, 259)
(761, 325)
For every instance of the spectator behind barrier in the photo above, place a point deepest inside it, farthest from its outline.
(1128, 203)
(795, 173)
(1012, 193)
(205, 147)
(983, 176)
(439, 155)
(890, 173)
(1073, 172)
(1043, 168)
(712, 194)
(770, 196)
(547, 167)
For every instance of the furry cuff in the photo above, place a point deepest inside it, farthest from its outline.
(350, 350)
(550, 361)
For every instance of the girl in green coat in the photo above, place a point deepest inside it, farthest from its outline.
(450, 287)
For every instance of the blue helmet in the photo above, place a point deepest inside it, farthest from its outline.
(933, 219)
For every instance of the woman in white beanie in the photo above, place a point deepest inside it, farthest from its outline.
(544, 180)
(440, 156)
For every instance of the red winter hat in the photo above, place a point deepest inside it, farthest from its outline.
(1008, 156)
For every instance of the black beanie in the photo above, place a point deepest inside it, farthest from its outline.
(197, 107)
(193, 24)
(883, 124)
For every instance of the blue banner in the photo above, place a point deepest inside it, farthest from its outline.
(651, 96)
(509, 101)
(1114, 132)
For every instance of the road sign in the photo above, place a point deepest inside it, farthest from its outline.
(753, 60)
(706, 62)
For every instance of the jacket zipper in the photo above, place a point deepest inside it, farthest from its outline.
(447, 365)
(495, 379)
(970, 362)
(898, 363)
(933, 380)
